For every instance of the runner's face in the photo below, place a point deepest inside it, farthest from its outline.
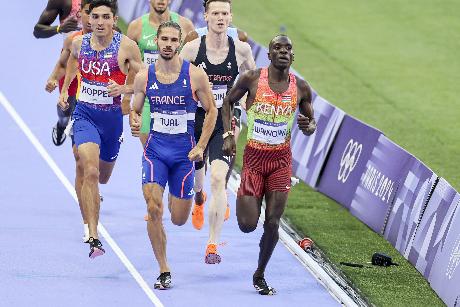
(218, 16)
(85, 19)
(280, 53)
(168, 43)
(102, 21)
(159, 6)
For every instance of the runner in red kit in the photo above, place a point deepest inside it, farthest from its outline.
(273, 97)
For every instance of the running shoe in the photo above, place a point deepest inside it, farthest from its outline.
(261, 286)
(198, 213)
(163, 281)
(58, 135)
(227, 210)
(227, 213)
(211, 255)
(95, 248)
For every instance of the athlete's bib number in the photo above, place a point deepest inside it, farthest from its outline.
(269, 133)
(96, 93)
(150, 57)
(219, 92)
(174, 122)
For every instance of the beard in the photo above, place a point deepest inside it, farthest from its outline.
(159, 11)
(171, 56)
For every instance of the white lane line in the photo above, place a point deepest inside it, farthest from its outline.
(142, 283)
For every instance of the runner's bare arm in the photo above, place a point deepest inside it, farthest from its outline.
(239, 89)
(205, 96)
(133, 32)
(134, 29)
(135, 64)
(247, 60)
(242, 36)
(59, 69)
(305, 119)
(131, 62)
(72, 63)
(43, 28)
(186, 26)
(140, 84)
(190, 37)
(189, 51)
(70, 72)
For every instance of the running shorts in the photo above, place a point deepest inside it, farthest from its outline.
(265, 171)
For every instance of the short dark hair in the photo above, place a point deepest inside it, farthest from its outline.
(279, 35)
(112, 4)
(85, 2)
(169, 24)
(207, 2)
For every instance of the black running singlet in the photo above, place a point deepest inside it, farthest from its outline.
(221, 75)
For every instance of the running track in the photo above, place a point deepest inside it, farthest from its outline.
(42, 259)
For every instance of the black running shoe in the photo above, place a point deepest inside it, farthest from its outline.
(261, 286)
(58, 135)
(163, 281)
(95, 248)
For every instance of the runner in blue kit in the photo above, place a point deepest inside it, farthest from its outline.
(102, 60)
(173, 87)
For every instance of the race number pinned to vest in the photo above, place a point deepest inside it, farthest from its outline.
(94, 92)
(219, 92)
(269, 133)
(170, 122)
(151, 56)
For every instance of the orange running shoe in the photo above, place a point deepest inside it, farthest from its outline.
(198, 214)
(227, 213)
(211, 255)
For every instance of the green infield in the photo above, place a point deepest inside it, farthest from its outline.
(393, 65)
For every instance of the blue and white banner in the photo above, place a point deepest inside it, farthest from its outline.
(411, 199)
(444, 276)
(433, 228)
(378, 184)
(347, 161)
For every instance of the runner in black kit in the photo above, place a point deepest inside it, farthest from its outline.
(222, 58)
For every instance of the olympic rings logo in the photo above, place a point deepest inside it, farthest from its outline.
(350, 158)
(454, 260)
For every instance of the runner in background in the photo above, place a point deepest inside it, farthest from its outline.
(143, 31)
(222, 58)
(68, 13)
